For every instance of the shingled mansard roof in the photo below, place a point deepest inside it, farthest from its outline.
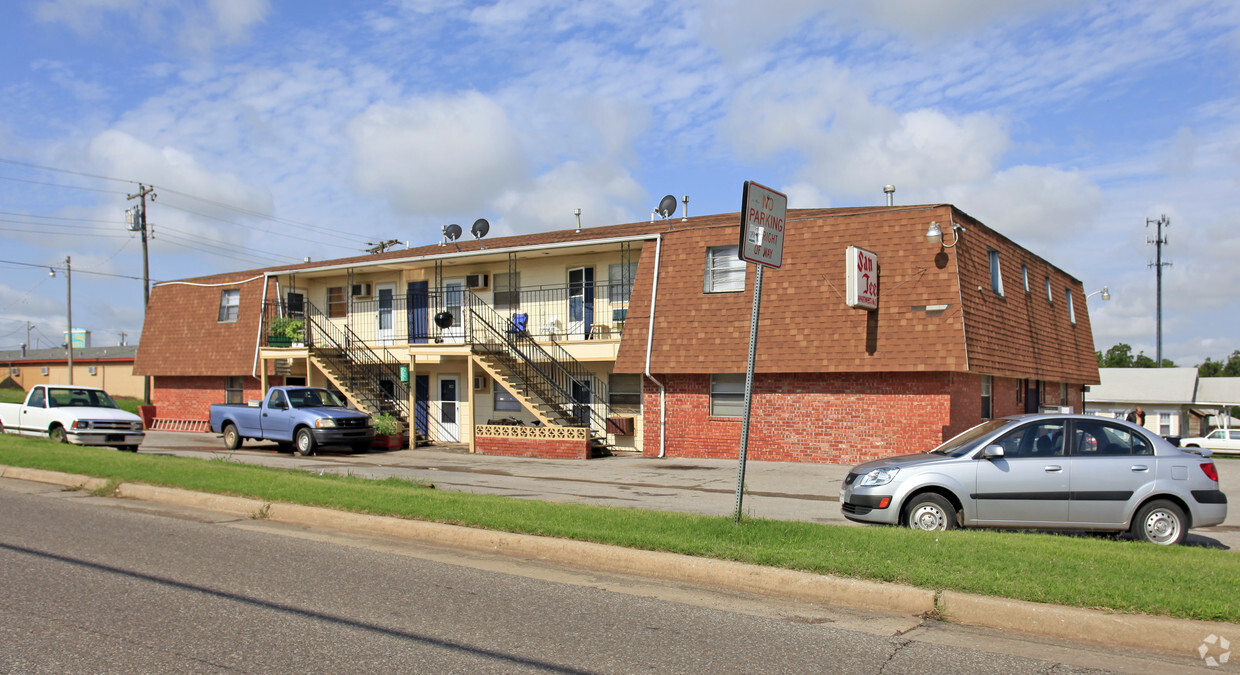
(937, 312)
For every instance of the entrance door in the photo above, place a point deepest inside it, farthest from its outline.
(580, 302)
(1031, 396)
(449, 409)
(421, 408)
(384, 294)
(454, 304)
(581, 401)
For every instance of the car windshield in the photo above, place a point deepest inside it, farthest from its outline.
(314, 398)
(963, 443)
(79, 398)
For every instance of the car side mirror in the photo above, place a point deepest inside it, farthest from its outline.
(992, 452)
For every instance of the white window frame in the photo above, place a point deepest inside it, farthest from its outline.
(506, 291)
(234, 389)
(1024, 276)
(1071, 308)
(230, 305)
(996, 273)
(727, 395)
(624, 390)
(1050, 295)
(725, 271)
(988, 398)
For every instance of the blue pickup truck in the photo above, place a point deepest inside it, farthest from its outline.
(300, 418)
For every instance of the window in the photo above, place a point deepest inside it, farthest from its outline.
(1101, 439)
(92, 370)
(1024, 276)
(505, 400)
(15, 372)
(725, 271)
(230, 305)
(337, 305)
(987, 386)
(1044, 439)
(507, 291)
(620, 281)
(624, 392)
(1071, 309)
(1164, 424)
(1063, 393)
(727, 394)
(1050, 297)
(43, 370)
(234, 390)
(996, 277)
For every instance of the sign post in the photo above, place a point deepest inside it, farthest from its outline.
(763, 213)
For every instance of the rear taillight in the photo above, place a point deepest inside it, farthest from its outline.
(1211, 471)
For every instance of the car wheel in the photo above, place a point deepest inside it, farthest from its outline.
(232, 438)
(1160, 522)
(304, 443)
(930, 512)
(57, 434)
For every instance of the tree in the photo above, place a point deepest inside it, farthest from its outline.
(1119, 356)
(1229, 368)
(1232, 369)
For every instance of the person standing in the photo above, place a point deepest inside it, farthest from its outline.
(1137, 416)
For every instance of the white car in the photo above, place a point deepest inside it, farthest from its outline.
(72, 414)
(1219, 440)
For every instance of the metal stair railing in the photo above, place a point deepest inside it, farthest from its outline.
(363, 369)
(546, 372)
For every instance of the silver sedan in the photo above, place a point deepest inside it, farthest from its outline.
(1052, 472)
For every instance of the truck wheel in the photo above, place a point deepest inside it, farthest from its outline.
(305, 443)
(57, 434)
(232, 439)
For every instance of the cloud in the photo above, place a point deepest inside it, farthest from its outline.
(195, 26)
(605, 192)
(441, 155)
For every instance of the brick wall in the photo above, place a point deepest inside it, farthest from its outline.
(817, 417)
(532, 447)
(190, 398)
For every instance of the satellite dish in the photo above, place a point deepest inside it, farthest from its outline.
(480, 228)
(667, 206)
(452, 232)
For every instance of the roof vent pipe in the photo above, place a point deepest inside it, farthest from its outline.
(686, 215)
(577, 212)
(890, 190)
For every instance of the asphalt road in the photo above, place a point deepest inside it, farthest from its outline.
(776, 490)
(95, 584)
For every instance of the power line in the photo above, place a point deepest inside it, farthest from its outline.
(79, 271)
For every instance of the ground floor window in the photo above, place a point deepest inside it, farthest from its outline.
(1164, 424)
(234, 390)
(987, 387)
(727, 395)
(505, 400)
(624, 393)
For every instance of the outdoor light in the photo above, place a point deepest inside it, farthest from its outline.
(1106, 294)
(934, 235)
(51, 272)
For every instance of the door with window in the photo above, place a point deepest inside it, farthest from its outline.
(384, 300)
(449, 409)
(454, 304)
(580, 302)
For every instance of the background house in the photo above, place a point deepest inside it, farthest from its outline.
(110, 368)
(634, 337)
(1176, 401)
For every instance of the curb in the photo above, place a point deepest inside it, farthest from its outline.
(1141, 631)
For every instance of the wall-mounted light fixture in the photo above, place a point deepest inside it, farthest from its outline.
(1106, 294)
(934, 235)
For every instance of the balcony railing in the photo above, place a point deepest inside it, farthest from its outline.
(562, 313)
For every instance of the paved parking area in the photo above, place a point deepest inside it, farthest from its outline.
(775, 490)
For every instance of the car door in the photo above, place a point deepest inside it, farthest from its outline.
(276, 416)
(1111, 467)
(1028, 485)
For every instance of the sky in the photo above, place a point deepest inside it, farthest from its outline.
(273, 130)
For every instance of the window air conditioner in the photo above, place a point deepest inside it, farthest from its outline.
(361, 290)
(477, 281)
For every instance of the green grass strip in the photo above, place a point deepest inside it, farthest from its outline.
(1085, 571)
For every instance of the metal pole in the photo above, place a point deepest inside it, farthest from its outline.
(69, 305)
(753, 348)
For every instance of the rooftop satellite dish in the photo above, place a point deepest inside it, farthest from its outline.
(667, 206)
(452, 232)
(480, 228)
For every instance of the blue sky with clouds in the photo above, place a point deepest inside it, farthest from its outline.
(277, 130)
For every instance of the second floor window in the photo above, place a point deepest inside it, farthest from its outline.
(337, 304)
(620, 281)
(996, 277)
(725, 271)
(507, 291)
(230, 305)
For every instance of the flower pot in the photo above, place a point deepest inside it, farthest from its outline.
(279, 341)
(395, 442)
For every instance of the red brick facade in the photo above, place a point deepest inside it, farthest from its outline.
(532, 447)
(839, 419)
(190, 397)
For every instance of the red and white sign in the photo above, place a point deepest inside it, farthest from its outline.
(861, 278)
(762, 225)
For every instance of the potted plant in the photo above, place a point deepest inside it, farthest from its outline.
(283, 331)
(387, 433)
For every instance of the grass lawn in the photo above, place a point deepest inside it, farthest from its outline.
(1084, 571)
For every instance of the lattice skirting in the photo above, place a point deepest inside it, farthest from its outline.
(546, 433)
(195, 426)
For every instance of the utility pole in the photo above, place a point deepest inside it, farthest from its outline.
(1158, 241)
(69, 306)
(381, 246)
(140, 224)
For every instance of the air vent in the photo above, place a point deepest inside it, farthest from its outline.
(477, 281)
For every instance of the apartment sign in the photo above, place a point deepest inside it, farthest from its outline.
(762, 225)
(861, 278)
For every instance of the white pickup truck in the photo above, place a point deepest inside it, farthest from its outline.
(1219, 440)
(71, 414)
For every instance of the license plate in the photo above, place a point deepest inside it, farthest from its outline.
(114, 438)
